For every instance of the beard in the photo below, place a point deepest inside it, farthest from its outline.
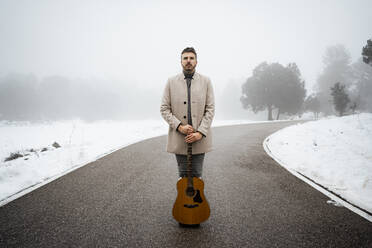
(188, 68)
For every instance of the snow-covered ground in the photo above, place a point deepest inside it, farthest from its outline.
(80, 142)
(335, 153)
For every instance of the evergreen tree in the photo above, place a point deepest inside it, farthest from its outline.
(361, 92)
(367, 53)
(336, 61)
(340, 98)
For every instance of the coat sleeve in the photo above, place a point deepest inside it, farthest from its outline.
(166, 108)
(206, 121)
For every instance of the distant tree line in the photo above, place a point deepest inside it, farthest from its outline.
(25, 97)
(342, 87)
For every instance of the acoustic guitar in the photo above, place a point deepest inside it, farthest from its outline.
(191, 207)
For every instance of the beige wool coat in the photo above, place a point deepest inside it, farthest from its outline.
(173, 109)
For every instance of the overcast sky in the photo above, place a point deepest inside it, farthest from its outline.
(141, 41)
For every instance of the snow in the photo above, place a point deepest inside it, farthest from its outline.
(335, 153)
(81, 142)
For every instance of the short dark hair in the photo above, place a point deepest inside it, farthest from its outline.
(189, 50)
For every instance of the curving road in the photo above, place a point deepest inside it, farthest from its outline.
(125, 200)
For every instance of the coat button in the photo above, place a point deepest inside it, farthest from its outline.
(184, 102)
(184, 116)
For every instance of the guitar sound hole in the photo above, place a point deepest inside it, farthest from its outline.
(190, 191)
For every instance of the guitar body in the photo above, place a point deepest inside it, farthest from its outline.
(191, 206)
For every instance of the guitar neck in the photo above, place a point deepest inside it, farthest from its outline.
(189, 164)
(189, 145)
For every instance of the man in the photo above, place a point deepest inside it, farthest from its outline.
(177, 110)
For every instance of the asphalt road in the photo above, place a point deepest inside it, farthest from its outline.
(125, 199)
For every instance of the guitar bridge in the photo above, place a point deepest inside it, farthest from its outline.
(191, 205)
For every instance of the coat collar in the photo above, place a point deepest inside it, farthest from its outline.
(181, 76)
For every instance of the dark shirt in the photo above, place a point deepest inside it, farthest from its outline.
(189, 77)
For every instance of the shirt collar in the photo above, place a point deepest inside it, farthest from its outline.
(186, 75)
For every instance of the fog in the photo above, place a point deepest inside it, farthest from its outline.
(130, 48)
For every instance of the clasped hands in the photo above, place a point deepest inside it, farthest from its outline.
(191, 136)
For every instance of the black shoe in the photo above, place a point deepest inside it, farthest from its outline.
(189, 225)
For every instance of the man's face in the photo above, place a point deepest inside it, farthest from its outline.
(188, 61)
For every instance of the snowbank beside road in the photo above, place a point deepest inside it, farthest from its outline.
(335, 153)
